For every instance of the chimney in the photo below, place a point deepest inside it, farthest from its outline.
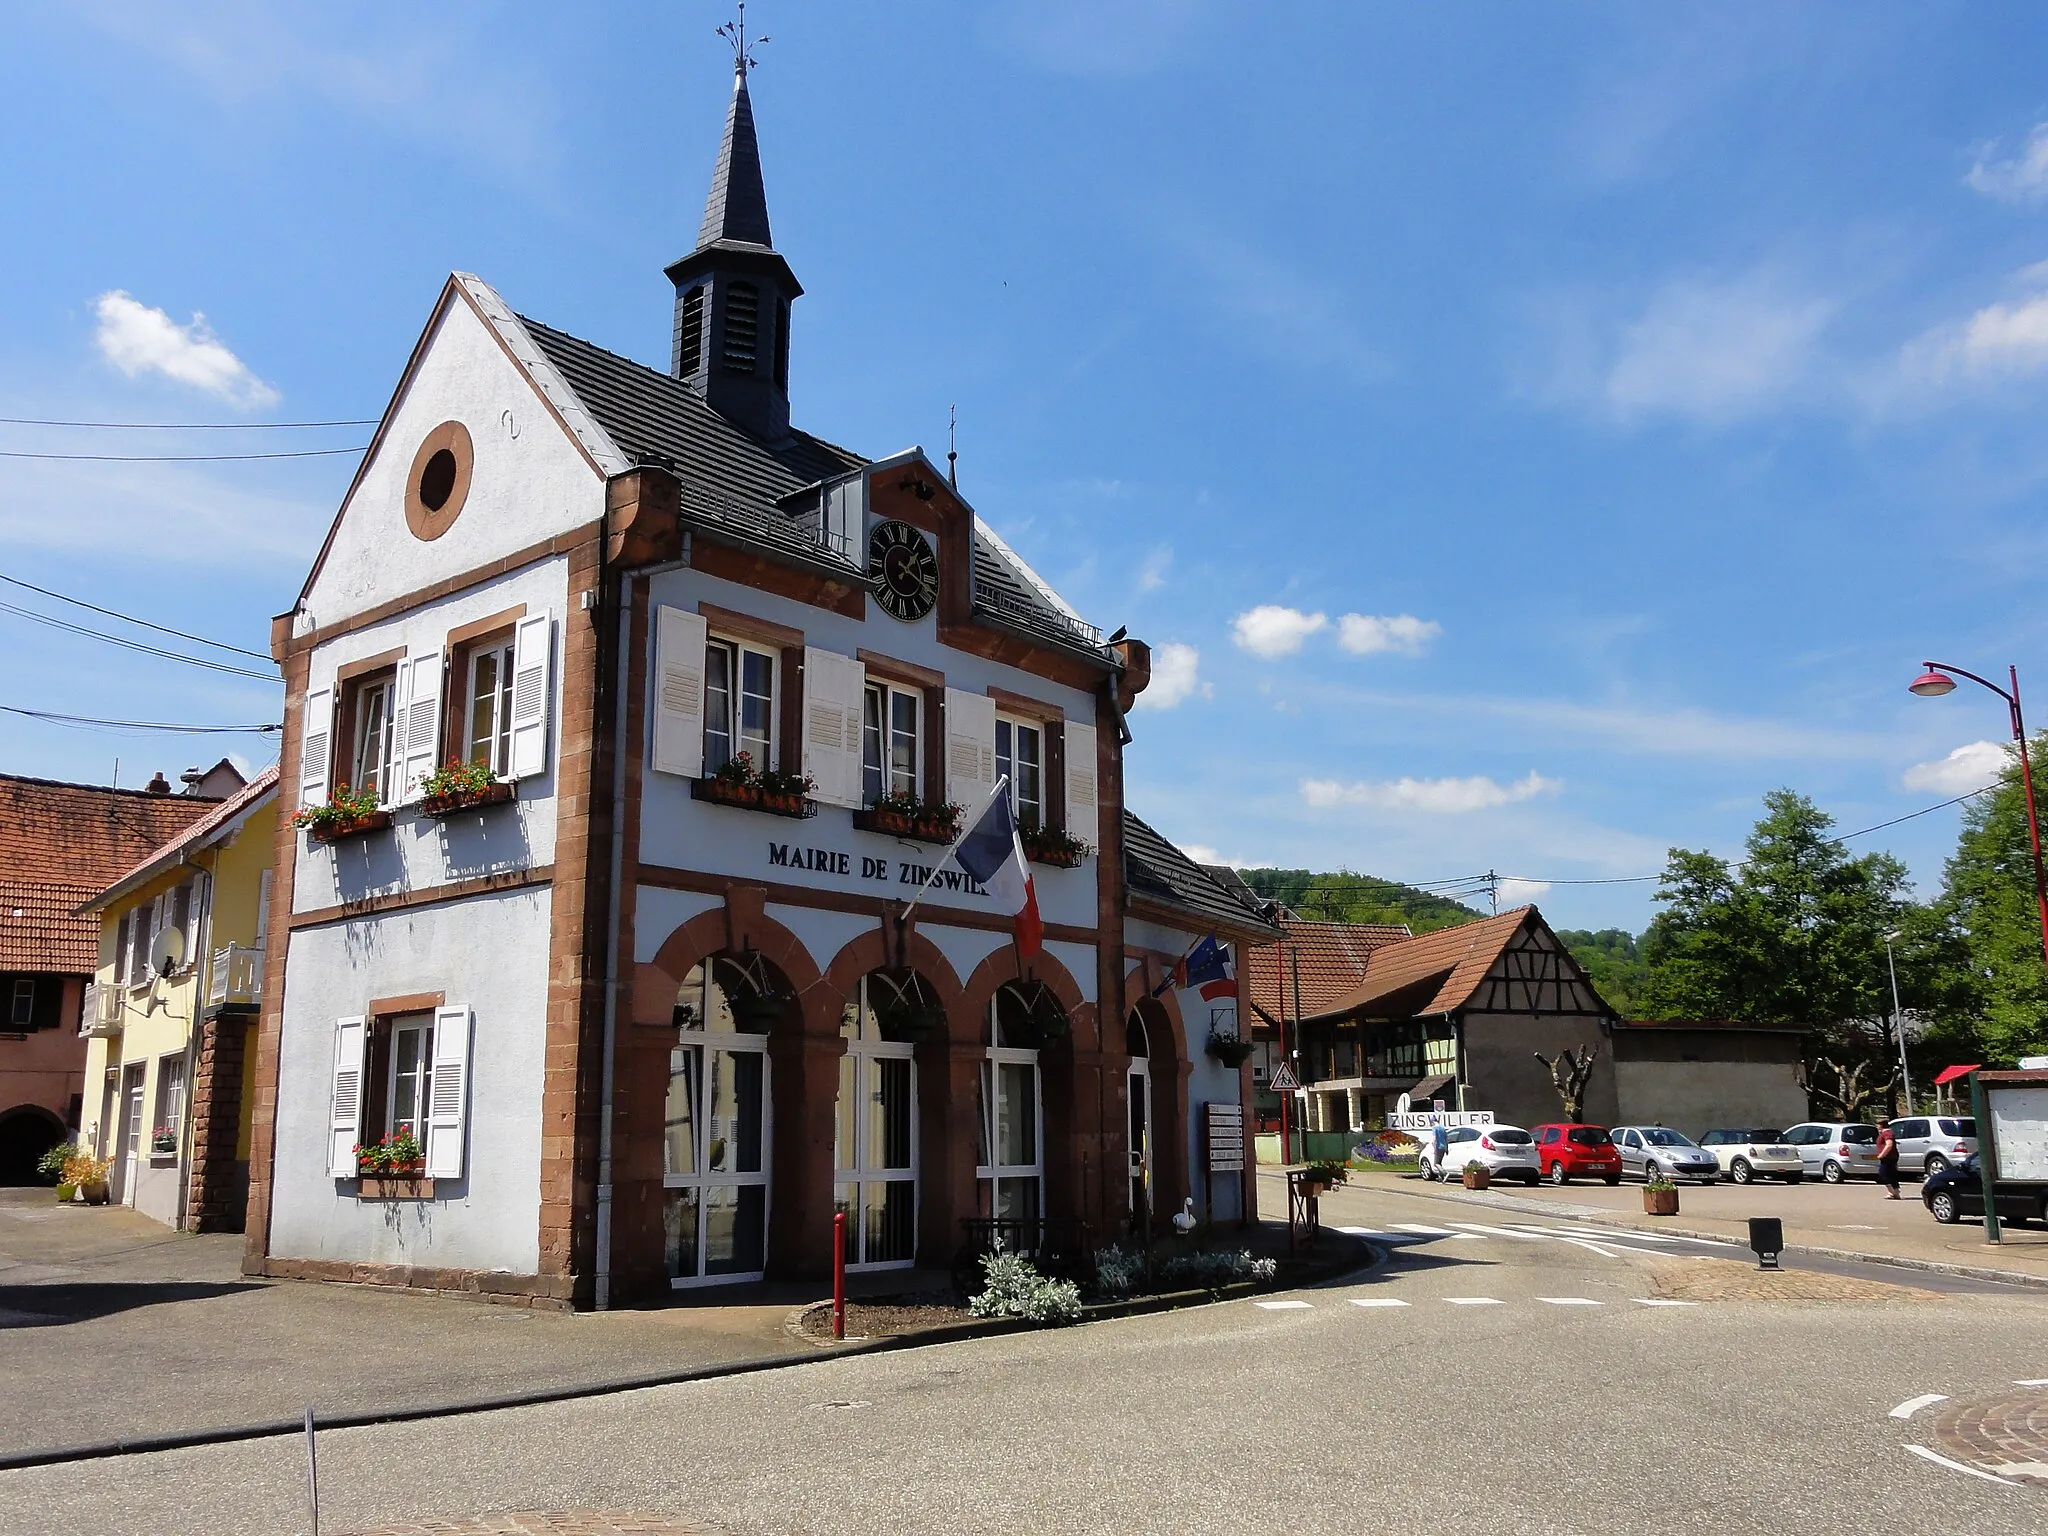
(158, 785)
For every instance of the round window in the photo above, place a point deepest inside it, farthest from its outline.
(439, 482)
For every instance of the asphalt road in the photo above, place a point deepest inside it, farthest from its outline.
(1521, 1385)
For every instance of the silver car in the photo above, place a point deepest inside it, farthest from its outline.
(1650, 1150)
(1836, 1150)
(1930, 1143)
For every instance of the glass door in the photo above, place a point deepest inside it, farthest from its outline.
(715, 1150)
(1140, 1087)
(875, 1141)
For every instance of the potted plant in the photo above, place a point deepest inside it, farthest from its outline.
(398, 1155)
(894, 812)
(1660, 1196)
(1328, 1172)
(458, 786)
(938, 821)
(756, 1013)
(913, 1019)
(1477, 1175)
(88, 1175)
(1227, 1048)
(1052, 845)
(66, 1193)
(346, 813)
(785, 792)
(163, 1139)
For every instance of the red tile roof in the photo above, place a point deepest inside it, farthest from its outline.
(60, 844)
(1333, 963)
(1430, 973)
(197, 835)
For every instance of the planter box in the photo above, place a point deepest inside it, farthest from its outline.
(362, 826)
(1660, 1202)
(1480, 1180)
(750, 797)
(1057, 858)
(438, 806)
(917, 828)
(396, 1186)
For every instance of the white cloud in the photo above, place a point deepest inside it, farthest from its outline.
(2020, 179)
(1714, 350)
(1362, 634)
(1176, 677)
(1997, 339)
(1152, 574)
(166, 512)
(1519, 893)
(1447, 797)
(1272, 631)
(1967, 768)
(1202, 853)
(137, 340)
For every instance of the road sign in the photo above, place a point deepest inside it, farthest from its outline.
(1284, 1080)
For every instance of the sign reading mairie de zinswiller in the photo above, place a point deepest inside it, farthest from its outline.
(834, 861)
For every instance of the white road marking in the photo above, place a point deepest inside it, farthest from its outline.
(1475, 1301)
(1467, 1237)
(1660, 1301)
(2038, 1381)
(1426, 1231)
(1376, 1301)
(1473, 1226)
(1956, 1466)
(1913, 1405)
(1284, 1306)
(1570, 1301)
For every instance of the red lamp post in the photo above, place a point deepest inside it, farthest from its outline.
(1933, 684)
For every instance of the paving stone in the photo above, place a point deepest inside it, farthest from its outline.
(2005, 1433)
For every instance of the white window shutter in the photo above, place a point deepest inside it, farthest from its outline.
(833, 689)
(679, 641)
(970, 747)
(419, 732)
(533, 648)
(345, 1112)
(1084, 820)
(316, 746)
(449, 1096)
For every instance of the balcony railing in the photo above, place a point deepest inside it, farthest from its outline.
(237, 977)
(102, 1012)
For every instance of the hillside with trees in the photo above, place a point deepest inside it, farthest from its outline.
(1343, 897)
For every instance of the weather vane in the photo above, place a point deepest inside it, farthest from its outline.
(735, 32)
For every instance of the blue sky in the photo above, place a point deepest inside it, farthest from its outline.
(1528, 433)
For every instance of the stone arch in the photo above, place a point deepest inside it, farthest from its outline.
(1171, 1068)
(27, 1131)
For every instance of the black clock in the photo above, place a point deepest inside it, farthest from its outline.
(902, 570)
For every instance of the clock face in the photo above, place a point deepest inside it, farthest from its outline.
(902, 570)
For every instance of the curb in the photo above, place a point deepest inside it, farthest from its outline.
(951, 1333)
(1600, 1216)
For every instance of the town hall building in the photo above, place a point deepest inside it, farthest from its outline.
(624, 722)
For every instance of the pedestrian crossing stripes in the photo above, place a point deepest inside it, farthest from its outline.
(1475, 1301)
(1660, 1301)
(1284, 1306)
(1570, 1301)
(1376, 1303)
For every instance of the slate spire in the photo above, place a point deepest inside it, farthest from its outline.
(737, 208)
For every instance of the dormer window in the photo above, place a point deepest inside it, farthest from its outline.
(742, 326)
(690, 334)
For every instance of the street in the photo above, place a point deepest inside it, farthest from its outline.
(1491, 1376)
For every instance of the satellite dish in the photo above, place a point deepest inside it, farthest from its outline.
(167, 952)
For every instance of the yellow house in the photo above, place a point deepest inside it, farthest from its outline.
(171, 1012)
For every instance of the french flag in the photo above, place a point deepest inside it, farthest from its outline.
(991, 854)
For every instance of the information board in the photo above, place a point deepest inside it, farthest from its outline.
(2019, 1131)
(1224, 1124)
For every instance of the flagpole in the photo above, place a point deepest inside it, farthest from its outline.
(967, 825)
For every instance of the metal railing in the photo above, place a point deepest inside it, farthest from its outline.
(237, 976)
(1019, 609)
(102, 1013)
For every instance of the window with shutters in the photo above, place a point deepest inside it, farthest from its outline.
(690, 333)
(891, 762)
(121, 948)
(22, 1007)
(140, 931)
(369, 733)
(742, 326)
(485, 672)
(409, 1087)
(739, 705)
(1020, 757)
(169, 1120)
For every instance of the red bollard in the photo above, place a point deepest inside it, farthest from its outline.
(839, 1274)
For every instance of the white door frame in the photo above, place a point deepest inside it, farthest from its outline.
(703, 1180)
(860, 1053)
(1140, 1088)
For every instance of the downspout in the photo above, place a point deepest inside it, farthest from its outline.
(613, 903)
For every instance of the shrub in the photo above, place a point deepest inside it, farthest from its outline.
(83, 1168)
(1117, 1272)
(1208, 1271)
(67, 1191)
(51, 1164)
(1327, 1171)
(1016, 1289)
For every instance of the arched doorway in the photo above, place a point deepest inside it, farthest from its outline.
(715, 1132)
(26, 1133)
(1023, 1019)
(875, 1128)
(1139, 1096)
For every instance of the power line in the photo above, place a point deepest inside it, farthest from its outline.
(129, 618)
(139, 725)
(179, 458)
(135, 645)
(186, 426)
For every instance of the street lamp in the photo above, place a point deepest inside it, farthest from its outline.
(1898, 1018)
(1933, 684)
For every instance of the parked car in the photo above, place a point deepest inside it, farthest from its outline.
(1505, 1151)
(1567, 1152)
(1748, 1155)
(1930, 1143)
(1836, 1150)
(1956, 1191)
(1648, 1150)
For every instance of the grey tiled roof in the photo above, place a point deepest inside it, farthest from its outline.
(1157, 871)
(737, 208)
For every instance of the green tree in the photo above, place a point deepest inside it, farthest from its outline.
(1343, 897)
(1612, 960)
(1997, 1001)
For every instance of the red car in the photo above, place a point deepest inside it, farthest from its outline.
(1567, 1152)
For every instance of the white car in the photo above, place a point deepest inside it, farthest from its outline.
(1747, 1155)
(1505, 1151)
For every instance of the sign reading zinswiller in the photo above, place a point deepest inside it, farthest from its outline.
(832, 861)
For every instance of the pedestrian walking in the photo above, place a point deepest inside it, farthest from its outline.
(1440, 1143)
(1887, 1158)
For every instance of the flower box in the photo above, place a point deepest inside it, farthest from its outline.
(921, 829)
(354, 826)
(394, 1186)
(753, 797)
(1478, 1178)
(466, 800)
(1057, 849)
